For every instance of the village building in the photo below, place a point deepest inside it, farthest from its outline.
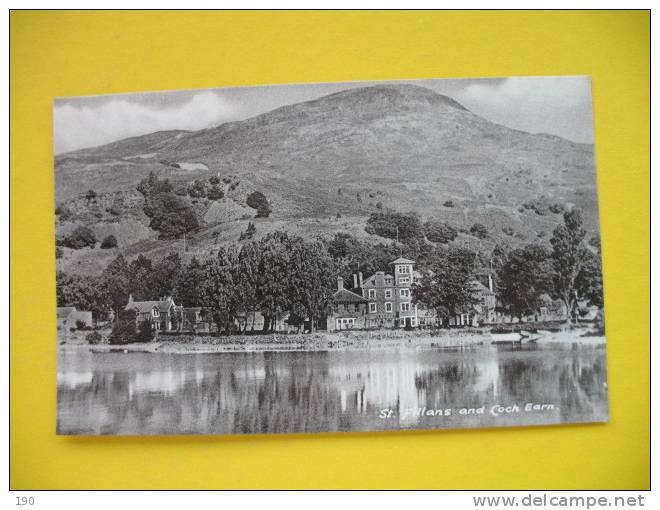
(385, 300)
(349, 309)
(381, 301)
(164, 314)
(70, 317)
(389, 296)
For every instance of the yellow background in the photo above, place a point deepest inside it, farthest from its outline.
(78, 53)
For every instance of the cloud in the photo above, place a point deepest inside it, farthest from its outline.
(559, 105)
(87, 125)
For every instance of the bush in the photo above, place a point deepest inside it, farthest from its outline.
(556, 209)
(438, 232)
(123, 330)
(479, 230)
(91, 195)
(508, 231)
(81, 237)
(197, 189)
(215, 193)
(145, 332)
(448, 203)
(215, 180)
(58, 252)
(379, 205)
(63, 212)
(258, 201)
(109, 242)
(94, 338)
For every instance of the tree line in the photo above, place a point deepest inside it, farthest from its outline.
(282, 273)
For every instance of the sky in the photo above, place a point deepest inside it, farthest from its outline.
(558, 105)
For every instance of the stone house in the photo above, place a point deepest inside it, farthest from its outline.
(164, 314)
(349, 310)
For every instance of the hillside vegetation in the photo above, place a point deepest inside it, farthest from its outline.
(344, 162)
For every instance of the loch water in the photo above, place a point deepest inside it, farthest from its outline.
(344, 390)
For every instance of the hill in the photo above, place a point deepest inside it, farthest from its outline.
(349, 154)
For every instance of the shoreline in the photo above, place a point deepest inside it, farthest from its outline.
(325, 342)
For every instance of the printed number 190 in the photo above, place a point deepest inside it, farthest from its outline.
(24, 501)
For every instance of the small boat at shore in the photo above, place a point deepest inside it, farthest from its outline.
(505, 338)
(520, 337)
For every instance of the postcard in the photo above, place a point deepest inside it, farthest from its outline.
(332, 257)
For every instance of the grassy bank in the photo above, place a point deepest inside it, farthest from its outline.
(326, 341)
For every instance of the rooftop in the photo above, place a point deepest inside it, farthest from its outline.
(346, 296)
(401, 260)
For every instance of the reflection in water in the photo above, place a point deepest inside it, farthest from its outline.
(142, 393)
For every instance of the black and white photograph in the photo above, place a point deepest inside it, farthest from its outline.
(331, 257)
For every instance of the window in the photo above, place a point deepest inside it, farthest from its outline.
(388, 293)
(404, 269)
(372, 307)
(388, 307)
(155, 312)
(372, 293)
(403, 280)
(405, 307)
(404, 292)
(388, 281)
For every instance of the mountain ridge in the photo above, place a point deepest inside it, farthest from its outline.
(352, 153)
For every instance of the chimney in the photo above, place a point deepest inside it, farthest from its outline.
(490, 282)
(340, 283)
(360, 279)
(355, 281)
(130, 299)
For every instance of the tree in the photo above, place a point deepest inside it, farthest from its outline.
(479, 230)
(197, 189)
(83, 292)
(116, 284)
(394, 225)
(249, 232)
(445, 285)
(311, 281)
(140, 278)
(247, 279)
(123, 329)
(152, 185)
(188, 286)
(217, 290)
(438, 232)
(81, 237)
(172, 216)
(524, 278)
(166, 275)
(257, 200)
(273, 288)
(109, 241)
(590, 279)
(568, 256)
